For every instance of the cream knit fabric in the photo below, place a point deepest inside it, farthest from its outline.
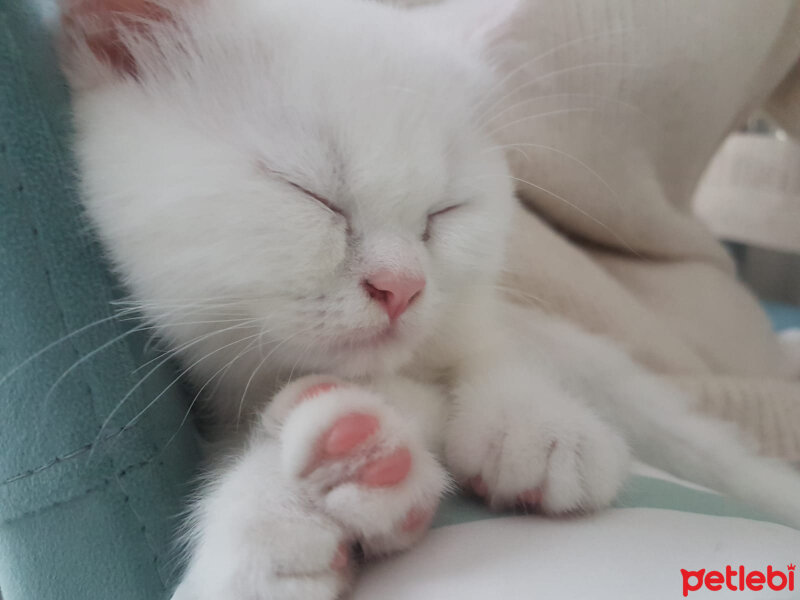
(612, 110)
(751, 191)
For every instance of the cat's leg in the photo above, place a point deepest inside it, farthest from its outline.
(332, 465)
(517, 434)
(540, 414)
(658, 422)
(517, 438)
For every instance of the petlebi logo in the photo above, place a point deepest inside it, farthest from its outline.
(739, 578)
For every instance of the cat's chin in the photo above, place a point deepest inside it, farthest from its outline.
(369, 340)
(364, 354)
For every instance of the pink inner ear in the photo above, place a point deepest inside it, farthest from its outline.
(101, 22)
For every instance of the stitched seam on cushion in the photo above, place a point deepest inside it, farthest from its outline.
(103, 484)
(156, 555)
(58, 459)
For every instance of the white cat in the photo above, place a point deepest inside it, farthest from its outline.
(303, 199)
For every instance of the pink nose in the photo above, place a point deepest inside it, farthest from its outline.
(394, 291)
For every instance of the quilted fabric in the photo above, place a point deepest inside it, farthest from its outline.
(92, 470)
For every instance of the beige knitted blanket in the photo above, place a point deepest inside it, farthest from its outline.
(612, 111)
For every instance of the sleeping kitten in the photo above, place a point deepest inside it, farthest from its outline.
(302, 197)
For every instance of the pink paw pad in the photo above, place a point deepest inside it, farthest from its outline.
(341, 560)
(387, 471)
(530, 498)
(416, 519)
(348, 432)
(316, 390)
(479, 486)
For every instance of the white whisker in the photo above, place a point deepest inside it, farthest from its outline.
(52, 345)
(220, 372)
(609, 99)
(527, 63)
(260, 365)
(570, 157)
(549, 74)
(86, 357)
(139, 415)
(550, 113)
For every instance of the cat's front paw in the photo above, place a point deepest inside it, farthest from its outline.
(541, 453)
(358, 461)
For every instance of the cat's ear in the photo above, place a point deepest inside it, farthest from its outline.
(479, 24)
(99, 37)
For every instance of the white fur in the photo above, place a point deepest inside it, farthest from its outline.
(187, 170)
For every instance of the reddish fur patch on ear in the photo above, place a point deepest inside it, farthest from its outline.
(103, 24)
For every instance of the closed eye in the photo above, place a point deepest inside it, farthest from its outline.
(265, 169)
(324, 201)
(431, 216)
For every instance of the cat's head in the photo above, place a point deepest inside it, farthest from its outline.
(310, 176)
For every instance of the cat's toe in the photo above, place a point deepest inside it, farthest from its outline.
(348, 432)
(585, 473)
(346, 441)
(478, 485)
(417, 519)
(387, 470)
(530, 499)
(341, 559)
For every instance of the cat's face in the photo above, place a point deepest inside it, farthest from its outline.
(310, 174)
